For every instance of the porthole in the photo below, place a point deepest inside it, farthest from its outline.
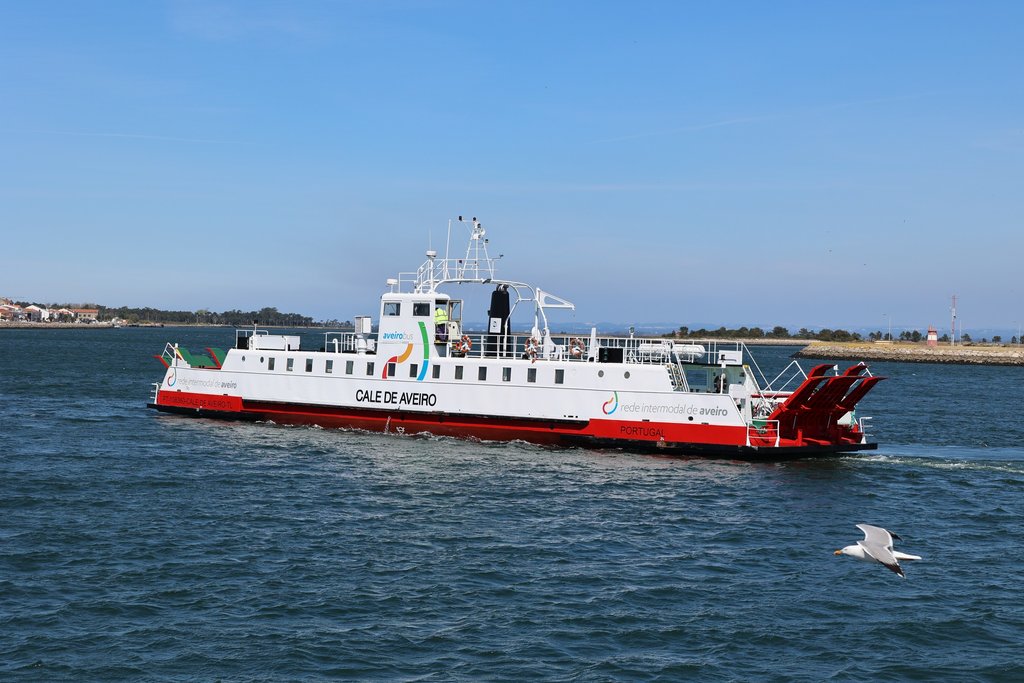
(261, 359)
(626, 375)
(600, 373)
(243, 359)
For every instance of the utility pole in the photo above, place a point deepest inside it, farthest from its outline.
(952, 325)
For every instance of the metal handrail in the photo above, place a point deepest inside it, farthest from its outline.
(800, 372)
(169, 353)
(863, 428)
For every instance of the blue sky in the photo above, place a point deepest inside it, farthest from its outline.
(797, 163)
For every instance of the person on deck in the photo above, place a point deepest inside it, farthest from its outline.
(441, 324)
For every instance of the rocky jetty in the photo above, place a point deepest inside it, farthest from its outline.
(915, 353)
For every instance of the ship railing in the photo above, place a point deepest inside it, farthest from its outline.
(243, 337)
(169, 354)
(863, 425)
(156, 392)
(763, 433)
(349, 342)
(771, 392)
(582, 348)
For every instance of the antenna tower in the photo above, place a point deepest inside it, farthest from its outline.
(952, 324)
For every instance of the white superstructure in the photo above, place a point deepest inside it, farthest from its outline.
(421, 371)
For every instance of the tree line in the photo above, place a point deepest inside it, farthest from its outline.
(777, 332)
(234, 318)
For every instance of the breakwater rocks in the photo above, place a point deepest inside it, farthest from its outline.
(915, 353)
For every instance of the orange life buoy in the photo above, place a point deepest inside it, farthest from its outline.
(464, 345)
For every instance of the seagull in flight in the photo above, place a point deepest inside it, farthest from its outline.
(877, 547)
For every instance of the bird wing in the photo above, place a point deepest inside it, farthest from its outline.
(882, 554)
(876, 535)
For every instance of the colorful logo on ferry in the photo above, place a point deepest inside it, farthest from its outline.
(172, 377)
(612, 404)
(408, 352)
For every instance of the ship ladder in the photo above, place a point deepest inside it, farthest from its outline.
(675, 373)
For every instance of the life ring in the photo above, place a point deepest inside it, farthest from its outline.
(576, 347)
(464, 345)
(530, 349)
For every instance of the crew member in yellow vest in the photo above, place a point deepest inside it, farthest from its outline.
(441, 324)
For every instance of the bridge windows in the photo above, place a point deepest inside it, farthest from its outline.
(421, 310)
(392, 308)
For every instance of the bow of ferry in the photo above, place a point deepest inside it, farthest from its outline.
(416, 369)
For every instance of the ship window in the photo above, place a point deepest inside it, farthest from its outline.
(391, 369)
(309, 365)
(270, 363)
(482, 373)
(697, 379)
(506, 374)
(392, 308)
(458, 372)
(531, 375)
(559, 376)
(413, 369)
(349, 365)
(290, 365)
(369, 369)
(329, 367)
(437, 372)
(421, 310)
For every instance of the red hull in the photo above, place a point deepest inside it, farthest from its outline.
(644, 436)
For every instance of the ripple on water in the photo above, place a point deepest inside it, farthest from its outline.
(146, 546)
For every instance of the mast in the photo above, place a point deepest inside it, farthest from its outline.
(952, 324)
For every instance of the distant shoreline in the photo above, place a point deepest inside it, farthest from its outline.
(63, 326)
(915, 353)
(109, 326)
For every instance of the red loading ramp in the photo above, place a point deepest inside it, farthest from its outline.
(856, 370)
(851, 399)
(814, 409)
(815, 377)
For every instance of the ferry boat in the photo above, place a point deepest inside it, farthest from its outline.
(419, 370)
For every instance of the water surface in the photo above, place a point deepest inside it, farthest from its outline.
(144, 546)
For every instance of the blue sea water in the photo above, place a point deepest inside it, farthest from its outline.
(136, 545)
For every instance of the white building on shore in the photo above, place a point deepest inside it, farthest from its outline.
(37, 314)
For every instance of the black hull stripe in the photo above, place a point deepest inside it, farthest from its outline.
(576, 440)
